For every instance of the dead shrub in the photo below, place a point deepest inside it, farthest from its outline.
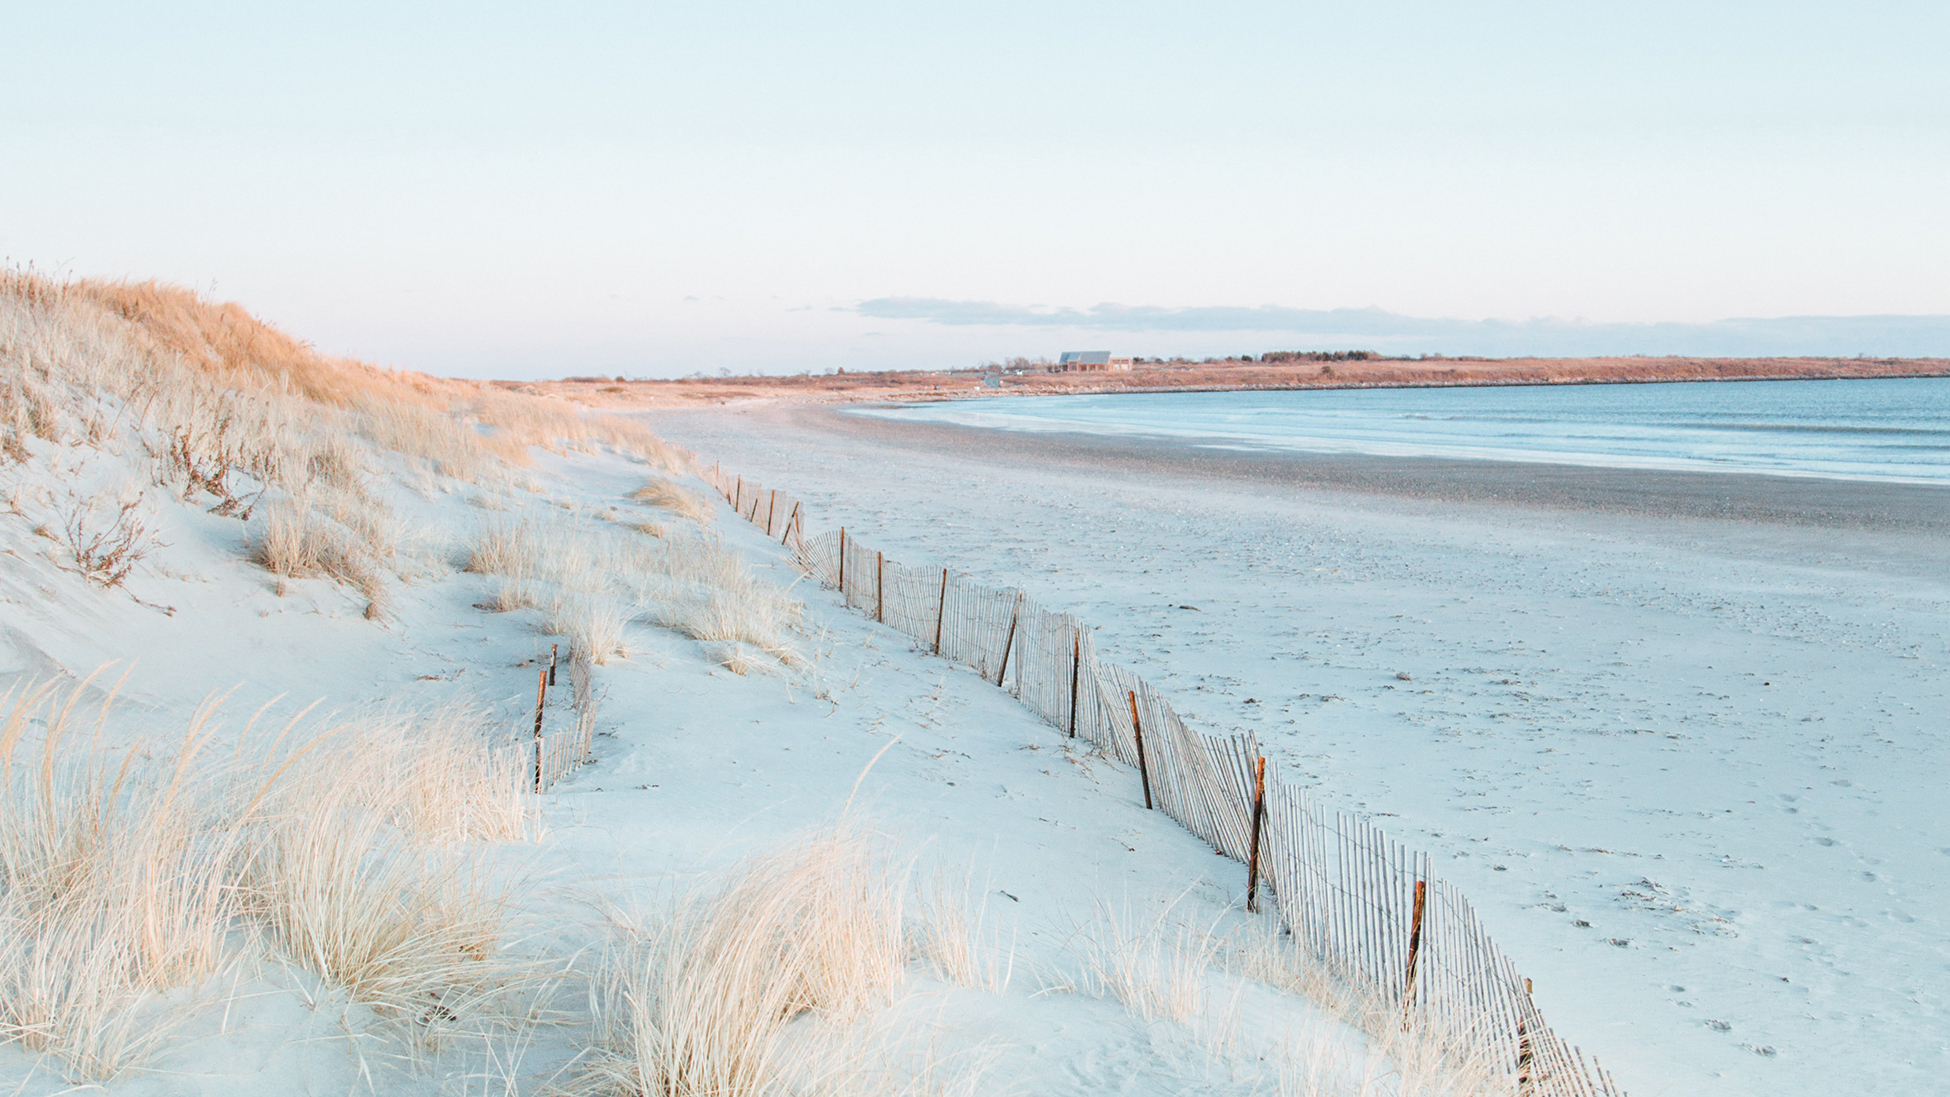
(105, 552)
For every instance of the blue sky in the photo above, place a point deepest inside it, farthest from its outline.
(654, 190)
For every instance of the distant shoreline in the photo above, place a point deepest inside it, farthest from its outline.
(1740, 496)
(1226, 376)
(1432, 384)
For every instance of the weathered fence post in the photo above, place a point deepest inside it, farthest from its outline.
(1010, 641)
(541, 698)
(941, 611)
(788, 523)
(1144, 769)
(553, 650)
(879, 586)
(842, 563)
(1525, 1058)
(1076, 669)
(771, 511)
(1414, 949)
(1252, 856)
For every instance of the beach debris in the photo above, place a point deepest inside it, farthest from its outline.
(1402, 675)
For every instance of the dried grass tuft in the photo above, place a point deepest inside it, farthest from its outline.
(1153, 963)
(415, 933)
(680, 501)
(126, 875)
(593, 624)
(698, 1001)
(110, 892)
(952, 935)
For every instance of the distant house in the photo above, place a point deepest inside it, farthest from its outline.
(1072, 361)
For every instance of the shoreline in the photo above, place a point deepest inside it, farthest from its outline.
(1221, 376)
(1348, 386)
(1754, 497)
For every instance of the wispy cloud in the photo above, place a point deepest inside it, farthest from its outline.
(1821, 335)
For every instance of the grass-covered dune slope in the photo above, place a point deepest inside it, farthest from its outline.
(273, 627)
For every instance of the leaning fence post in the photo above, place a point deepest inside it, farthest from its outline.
(771, 511)
(1010, 641)
(1076, 669)
(788, 523)
(1414, 948)
(879, 586)
(941, 611)
(541, 698)
(1137, 732)
(1252, 857)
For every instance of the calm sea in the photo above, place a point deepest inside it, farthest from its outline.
(1896, 429)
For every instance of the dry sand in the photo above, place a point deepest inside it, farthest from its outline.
(1680, 736)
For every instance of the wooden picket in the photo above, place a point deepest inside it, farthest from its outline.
(559, 752)
(1345, 890)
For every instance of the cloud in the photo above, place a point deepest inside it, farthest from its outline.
(1382, 330)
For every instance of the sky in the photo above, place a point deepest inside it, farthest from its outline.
(652, 190)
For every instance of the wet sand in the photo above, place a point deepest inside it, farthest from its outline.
(1749, 497)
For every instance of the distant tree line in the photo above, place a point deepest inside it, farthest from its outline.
(1273, 356)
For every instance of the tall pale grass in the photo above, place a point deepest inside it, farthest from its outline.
(678, 500)
(111, 889)
(584, 575)
(953, 934)
(593, 624)
(697, 585)
(127, 874)
(363, 869)
(699, 1000)
(527, 420)
(294, 539)
(1394, 1060)
(438, 777)
(414, 933)
(1151, 961)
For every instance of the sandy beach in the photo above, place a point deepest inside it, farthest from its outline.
(1678, 735)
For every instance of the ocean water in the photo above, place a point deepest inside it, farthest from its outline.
(1887, 429)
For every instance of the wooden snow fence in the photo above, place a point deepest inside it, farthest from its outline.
(1363, 906)
(555, 752)
(775, 512)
